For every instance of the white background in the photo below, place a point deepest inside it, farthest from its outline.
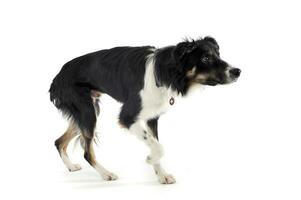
(240, 141)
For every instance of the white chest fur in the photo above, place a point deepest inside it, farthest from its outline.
(155, 100)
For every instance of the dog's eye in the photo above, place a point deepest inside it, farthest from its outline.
(205, 59)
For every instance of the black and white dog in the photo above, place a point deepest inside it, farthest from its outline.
(145, 80)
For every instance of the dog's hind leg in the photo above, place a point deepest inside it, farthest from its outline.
(87, 123)
(62, 144)
(90, 157)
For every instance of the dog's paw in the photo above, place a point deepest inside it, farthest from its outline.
(74, 167)
(166, 179)
(109, 176)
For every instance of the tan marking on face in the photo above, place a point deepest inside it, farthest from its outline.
(200, 78)
(191, 72)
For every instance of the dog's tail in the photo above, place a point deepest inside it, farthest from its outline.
(64, 97)
(70, 97)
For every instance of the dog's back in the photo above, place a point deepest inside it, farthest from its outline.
(110, 71)
(116, 72)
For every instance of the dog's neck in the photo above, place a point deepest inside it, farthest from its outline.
(167, 72)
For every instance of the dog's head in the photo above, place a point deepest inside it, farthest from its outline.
(200, 61)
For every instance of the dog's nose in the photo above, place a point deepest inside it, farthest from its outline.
(235, 72)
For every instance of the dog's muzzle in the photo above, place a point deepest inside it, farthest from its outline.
(232, 74)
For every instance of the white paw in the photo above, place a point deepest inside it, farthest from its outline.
(109, 176)
(166, 179)
(74, 167)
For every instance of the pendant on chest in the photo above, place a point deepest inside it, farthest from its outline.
(171, 101)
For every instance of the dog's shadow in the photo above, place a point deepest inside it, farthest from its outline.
(86, 179)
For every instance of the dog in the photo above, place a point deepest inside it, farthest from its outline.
(145, 80)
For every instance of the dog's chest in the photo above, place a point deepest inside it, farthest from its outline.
(154, 100)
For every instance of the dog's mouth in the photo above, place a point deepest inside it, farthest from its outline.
(212, 82)
(215, 80)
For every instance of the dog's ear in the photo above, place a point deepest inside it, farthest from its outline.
(183, 49)
(212, 41)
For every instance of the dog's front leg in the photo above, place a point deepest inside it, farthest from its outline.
(148, 136)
